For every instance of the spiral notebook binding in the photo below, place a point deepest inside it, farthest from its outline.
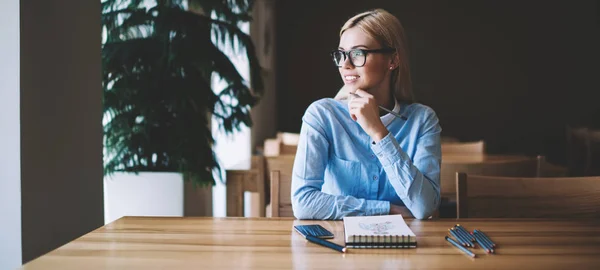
(381, 241)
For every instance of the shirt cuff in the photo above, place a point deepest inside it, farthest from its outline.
(388, 150)
(377, 208)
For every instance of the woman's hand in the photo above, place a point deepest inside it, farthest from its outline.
(365, 111)
(402, 210)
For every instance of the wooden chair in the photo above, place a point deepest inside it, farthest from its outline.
(516, 167)
(577, 150)
(284, 164)
(510, 197)
(276, 147)
(546, 169)
(477, 147)
(496, 166)
(592, 167)
(239, 181)
(288, 138)
(281, 198)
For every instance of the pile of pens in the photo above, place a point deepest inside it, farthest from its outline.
(463, 239)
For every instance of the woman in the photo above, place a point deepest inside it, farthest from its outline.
(355, 159)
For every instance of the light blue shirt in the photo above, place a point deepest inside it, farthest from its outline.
(339, 171)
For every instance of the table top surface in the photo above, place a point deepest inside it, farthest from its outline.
(271, 243)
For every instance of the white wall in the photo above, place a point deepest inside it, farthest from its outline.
(10, 157)
(234, 150)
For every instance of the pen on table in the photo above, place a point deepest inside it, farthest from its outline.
(466, 235)
(483, 244)
(462, 229)
(485, 237)
(385, 109)
(326, 243)
(465, 250)
(458, 237)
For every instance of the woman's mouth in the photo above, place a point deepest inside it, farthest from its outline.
(350, 79)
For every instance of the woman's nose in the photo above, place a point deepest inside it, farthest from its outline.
(347, 64)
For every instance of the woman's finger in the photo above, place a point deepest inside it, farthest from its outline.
(358, 101)
(363, 93)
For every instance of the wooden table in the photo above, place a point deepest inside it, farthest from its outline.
(265, 243)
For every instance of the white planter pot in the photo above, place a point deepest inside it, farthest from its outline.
(145, 194)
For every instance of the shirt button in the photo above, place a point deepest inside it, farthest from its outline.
(374, 177)
(372, 156)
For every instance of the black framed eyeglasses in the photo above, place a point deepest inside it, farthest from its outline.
(358, 57)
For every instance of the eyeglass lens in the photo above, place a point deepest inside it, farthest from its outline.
(357, 57)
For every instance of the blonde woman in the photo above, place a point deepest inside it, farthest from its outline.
(355, 158)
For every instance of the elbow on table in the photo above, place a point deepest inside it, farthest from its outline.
(422, 214)
(301, 211)
(426, 211)
(303, 207)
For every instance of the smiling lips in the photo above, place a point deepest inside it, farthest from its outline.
(350, 78)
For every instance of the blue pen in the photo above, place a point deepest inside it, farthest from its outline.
(488, 248)
(326, 243)
(465, 250)
(485, 237)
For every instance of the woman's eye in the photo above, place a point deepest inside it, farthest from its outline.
(357, 53)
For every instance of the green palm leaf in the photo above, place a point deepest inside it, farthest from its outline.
(157, 70)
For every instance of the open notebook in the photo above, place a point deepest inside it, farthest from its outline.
(378, 232)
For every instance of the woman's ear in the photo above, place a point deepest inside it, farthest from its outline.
(394, 61)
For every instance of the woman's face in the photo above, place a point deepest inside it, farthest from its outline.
(374, 75)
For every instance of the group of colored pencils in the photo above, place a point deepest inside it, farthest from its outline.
(463, 239)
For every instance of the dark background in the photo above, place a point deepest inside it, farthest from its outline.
(513, 73)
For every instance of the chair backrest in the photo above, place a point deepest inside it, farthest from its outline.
(577, 150)
(288, 138)
(239, 181)
(516, 167)
(277, 147)
(284, 164)
(447, 139)
(511, 197)
(477, 147)
(281, 199)
(593, 157)
(546, 169)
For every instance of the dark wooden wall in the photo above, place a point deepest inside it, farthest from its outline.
(511, 72)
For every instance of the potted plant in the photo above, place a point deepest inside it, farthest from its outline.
(158, 61)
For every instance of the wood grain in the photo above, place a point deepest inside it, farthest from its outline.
(477, 147)
(497, 197)
(262, 243)
(239, 181)
(499, 165)
(281, 198)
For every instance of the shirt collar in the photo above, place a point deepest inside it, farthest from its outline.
(387, 118)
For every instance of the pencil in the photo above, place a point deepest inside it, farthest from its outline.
(326, 243)
(458, 237)
(485, 237)
(465, 236)
(385, 109)
(465, 250)
(483, 243)
(469, 236)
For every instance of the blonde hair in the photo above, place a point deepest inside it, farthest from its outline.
(387, 30)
